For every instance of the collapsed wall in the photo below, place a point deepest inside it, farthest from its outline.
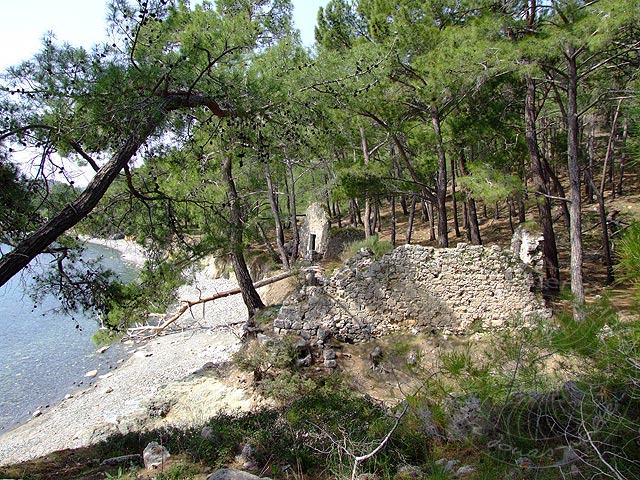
(450, 290)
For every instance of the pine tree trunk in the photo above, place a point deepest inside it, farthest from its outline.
(295, 233)
(368, 230)
(249, 294)
(412, 214)
(393, 220)
(275, 210)
(512, 210)
(575, 210)
(559, 191)
(623, 156)
(545, 216)
(456, 226)
(522, 214)
(441, 183)
(591, 149)
(432, 223)
(473, 228)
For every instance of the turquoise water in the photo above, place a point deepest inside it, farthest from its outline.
(43, 354)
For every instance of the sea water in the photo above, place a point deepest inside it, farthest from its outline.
(45, 355)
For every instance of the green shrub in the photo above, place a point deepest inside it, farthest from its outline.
(378, 247)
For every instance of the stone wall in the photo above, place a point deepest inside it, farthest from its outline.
(451, 290)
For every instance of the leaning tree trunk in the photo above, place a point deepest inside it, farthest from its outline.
(545, 217)
(575, 209)
(28, 249)
(249, 294)
(441, 190)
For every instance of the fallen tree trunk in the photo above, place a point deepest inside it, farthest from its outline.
(187, 304)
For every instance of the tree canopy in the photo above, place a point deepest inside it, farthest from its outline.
(208, 127)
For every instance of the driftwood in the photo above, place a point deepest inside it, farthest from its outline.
(187, 304)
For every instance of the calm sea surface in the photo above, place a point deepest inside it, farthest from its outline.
(44, 355)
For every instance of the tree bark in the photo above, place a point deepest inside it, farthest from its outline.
(545, 217)
(250, 296)
(575, 210)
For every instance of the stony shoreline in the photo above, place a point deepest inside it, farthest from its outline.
(131, 252)
(166, 370)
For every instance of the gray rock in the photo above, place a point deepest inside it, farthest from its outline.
(464, 471)
(408, 472)
(135, 459)
(231, 474)
(368, 476)
(329, 354)
(330, 363)
(304, 362)
(154, 455)
(451, 465)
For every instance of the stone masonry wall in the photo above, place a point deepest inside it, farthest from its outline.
(449, 290)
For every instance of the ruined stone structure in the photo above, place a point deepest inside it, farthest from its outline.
(314, 234)
(452, 290)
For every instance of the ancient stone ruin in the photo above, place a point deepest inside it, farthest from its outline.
(314, 235)
(451, 290)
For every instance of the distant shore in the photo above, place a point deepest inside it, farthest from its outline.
(130, 251)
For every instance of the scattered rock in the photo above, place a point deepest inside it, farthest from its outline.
(368, 476)
(155, 455)
(330, 363)
(231, 474)
(464, 471)
(451, 465)
(246, 458)
(304, 362)
(329, 354)
(91, 373)
(135, 459)
(408, 472)
(206, 432)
